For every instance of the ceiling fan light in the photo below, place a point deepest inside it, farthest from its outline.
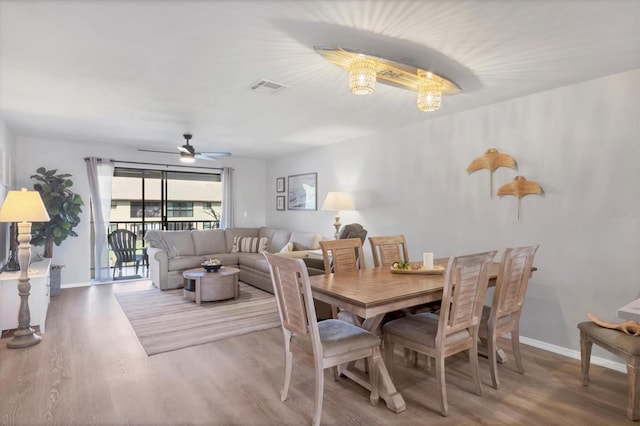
(429, 92)
(362, 76)
(186, 157)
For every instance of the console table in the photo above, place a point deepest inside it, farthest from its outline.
(38, 299)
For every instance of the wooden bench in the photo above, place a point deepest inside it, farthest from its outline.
(620, 344)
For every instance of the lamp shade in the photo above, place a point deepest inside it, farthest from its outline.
(338, 201)
(23, 206)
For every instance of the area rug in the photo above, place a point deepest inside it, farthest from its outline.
(164, 321)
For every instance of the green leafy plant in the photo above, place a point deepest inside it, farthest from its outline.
(63, 205)
(401, 265)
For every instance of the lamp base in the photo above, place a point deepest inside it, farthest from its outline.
(337, 225)
(23, 338)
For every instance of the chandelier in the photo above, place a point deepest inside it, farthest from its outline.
(365, 70)
(429, 91)
(362, 76)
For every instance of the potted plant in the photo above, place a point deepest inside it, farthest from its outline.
(64, 207)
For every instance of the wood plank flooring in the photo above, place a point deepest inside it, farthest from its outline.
(90, 369)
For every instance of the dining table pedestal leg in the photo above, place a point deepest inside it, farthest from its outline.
(501, 356)
(395, 402)
(388, 392)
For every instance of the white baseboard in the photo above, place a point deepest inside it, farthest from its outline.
(617, 366)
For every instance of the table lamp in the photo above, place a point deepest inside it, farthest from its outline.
(337, 201)
(24, 207)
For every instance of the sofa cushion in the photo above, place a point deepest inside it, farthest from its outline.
(209, 241)
(305, 240)
(181, 241)
(249, 245)
(278, 238)
(255, 261)
(299, 254)
(230, 233)
(182, 263)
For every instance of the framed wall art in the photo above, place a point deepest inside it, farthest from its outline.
(280, 184)
(302, 192)
(280, 202)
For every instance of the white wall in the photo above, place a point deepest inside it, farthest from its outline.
(580, 142)
(68, 157)
(7, 148)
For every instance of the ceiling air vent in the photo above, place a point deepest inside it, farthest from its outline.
(266, 86)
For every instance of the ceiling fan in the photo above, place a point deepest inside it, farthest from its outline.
(188, 153)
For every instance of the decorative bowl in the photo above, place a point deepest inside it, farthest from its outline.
(211, 266)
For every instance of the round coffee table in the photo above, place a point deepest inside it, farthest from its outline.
(202, 286)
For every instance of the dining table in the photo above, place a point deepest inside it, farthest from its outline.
(371, 293)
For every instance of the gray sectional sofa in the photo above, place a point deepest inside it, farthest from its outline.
(172, 252)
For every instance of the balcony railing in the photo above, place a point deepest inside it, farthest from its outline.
(172, 225)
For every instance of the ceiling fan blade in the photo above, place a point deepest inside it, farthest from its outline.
(215, 154)
(199, 156)
(160, 152)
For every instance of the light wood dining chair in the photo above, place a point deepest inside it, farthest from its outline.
(455, 329)
(389, 249)
(343, 256)
(326, 343)
(503, 316)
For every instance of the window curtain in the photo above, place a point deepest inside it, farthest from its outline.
(227, 198)
(100, 174)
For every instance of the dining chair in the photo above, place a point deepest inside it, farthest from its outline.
(389, 249)
(123, 245)
(344, 255)
(351, 230)
(503, 316)
(455, 329)
(325, 343)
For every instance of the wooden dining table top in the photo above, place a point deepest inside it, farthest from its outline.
(374, 291)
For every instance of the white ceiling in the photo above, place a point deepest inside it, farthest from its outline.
(143, 73)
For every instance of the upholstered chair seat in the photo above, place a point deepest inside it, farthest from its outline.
(337, 337)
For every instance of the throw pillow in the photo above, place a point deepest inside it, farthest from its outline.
(249, 244)
(287, 248)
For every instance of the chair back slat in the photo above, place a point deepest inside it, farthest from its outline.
(513, 279)
(388, 249)
(342, 255)
(466, 281)
(295, 303)
(123, 244)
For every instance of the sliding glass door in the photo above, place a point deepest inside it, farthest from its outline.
(158, 199)
(153, 199)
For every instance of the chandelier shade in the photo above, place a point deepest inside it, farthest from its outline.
(362, 76)
(429, 92)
